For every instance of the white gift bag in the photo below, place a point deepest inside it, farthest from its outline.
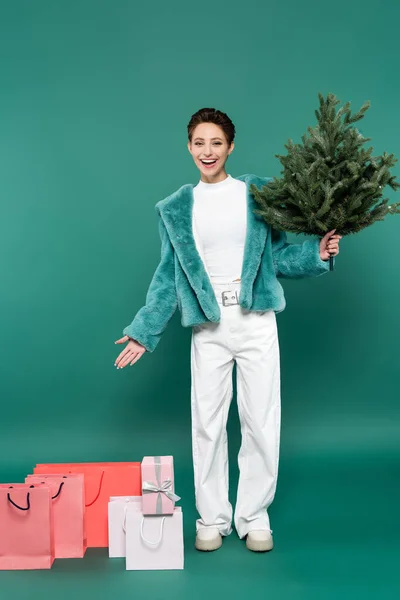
(155, 541)
(116, 524)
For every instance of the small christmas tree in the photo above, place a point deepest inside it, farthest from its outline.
(329, 181)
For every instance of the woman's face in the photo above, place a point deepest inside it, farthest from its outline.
(209, 149)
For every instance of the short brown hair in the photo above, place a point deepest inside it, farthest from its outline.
(212, 115)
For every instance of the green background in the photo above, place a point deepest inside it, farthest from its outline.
(95, 98)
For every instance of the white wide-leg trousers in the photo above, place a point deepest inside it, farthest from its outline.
(251, 339)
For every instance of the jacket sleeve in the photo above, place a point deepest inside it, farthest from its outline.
(161, 299)
(297, 261)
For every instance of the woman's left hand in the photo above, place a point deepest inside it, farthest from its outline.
(329, 245)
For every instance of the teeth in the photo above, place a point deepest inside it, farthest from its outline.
(208, 162)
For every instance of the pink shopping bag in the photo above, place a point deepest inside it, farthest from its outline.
(102, 480)
(68, 505)
(26, 521)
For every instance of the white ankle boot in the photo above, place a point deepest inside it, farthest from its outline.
(208, 539)
(259, 540)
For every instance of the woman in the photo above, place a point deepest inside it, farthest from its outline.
(219, 264)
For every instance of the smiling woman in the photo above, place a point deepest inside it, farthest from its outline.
(219, 264)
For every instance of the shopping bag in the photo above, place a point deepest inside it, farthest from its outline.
(102, 480)
(153, 542)
(117, 524)
(26, 527)
(158, 497)
(68, 505)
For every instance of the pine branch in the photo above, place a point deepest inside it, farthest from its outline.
(329, 180)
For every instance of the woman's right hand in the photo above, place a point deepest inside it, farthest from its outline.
(130, 354)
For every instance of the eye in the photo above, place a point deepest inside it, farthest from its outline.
(200, 143)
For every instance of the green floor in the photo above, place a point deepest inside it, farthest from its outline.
(336, 530)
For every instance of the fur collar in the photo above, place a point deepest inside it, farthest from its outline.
(176, 212)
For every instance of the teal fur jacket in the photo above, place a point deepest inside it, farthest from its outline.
(181, 280)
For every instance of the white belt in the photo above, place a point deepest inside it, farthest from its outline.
(227, 294)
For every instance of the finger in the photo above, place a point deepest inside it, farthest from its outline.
(122, 340)
(328, 235)
(127, 359)
(140, 354)
(122, 355)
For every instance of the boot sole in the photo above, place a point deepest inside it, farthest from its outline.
(208, 545)
(259, 546)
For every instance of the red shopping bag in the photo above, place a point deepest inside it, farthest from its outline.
(102, 480)
(26, 522)
(68, 505)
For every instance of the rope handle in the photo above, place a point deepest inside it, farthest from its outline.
(59, 491)
(128, 502)
(98, 493)
(28, 504)
(124, 521)
(161, 532)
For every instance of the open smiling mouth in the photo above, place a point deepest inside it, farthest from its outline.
(208, 163)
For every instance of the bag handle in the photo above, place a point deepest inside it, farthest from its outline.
(98, 493)
(128, 501)
(59, 491)
(124, 521)
(28, 504)
(161, 533)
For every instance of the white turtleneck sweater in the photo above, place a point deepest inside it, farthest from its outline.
(219, 227)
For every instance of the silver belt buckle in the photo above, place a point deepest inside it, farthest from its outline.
(229, 298)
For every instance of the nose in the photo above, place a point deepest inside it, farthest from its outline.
(208, 149)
